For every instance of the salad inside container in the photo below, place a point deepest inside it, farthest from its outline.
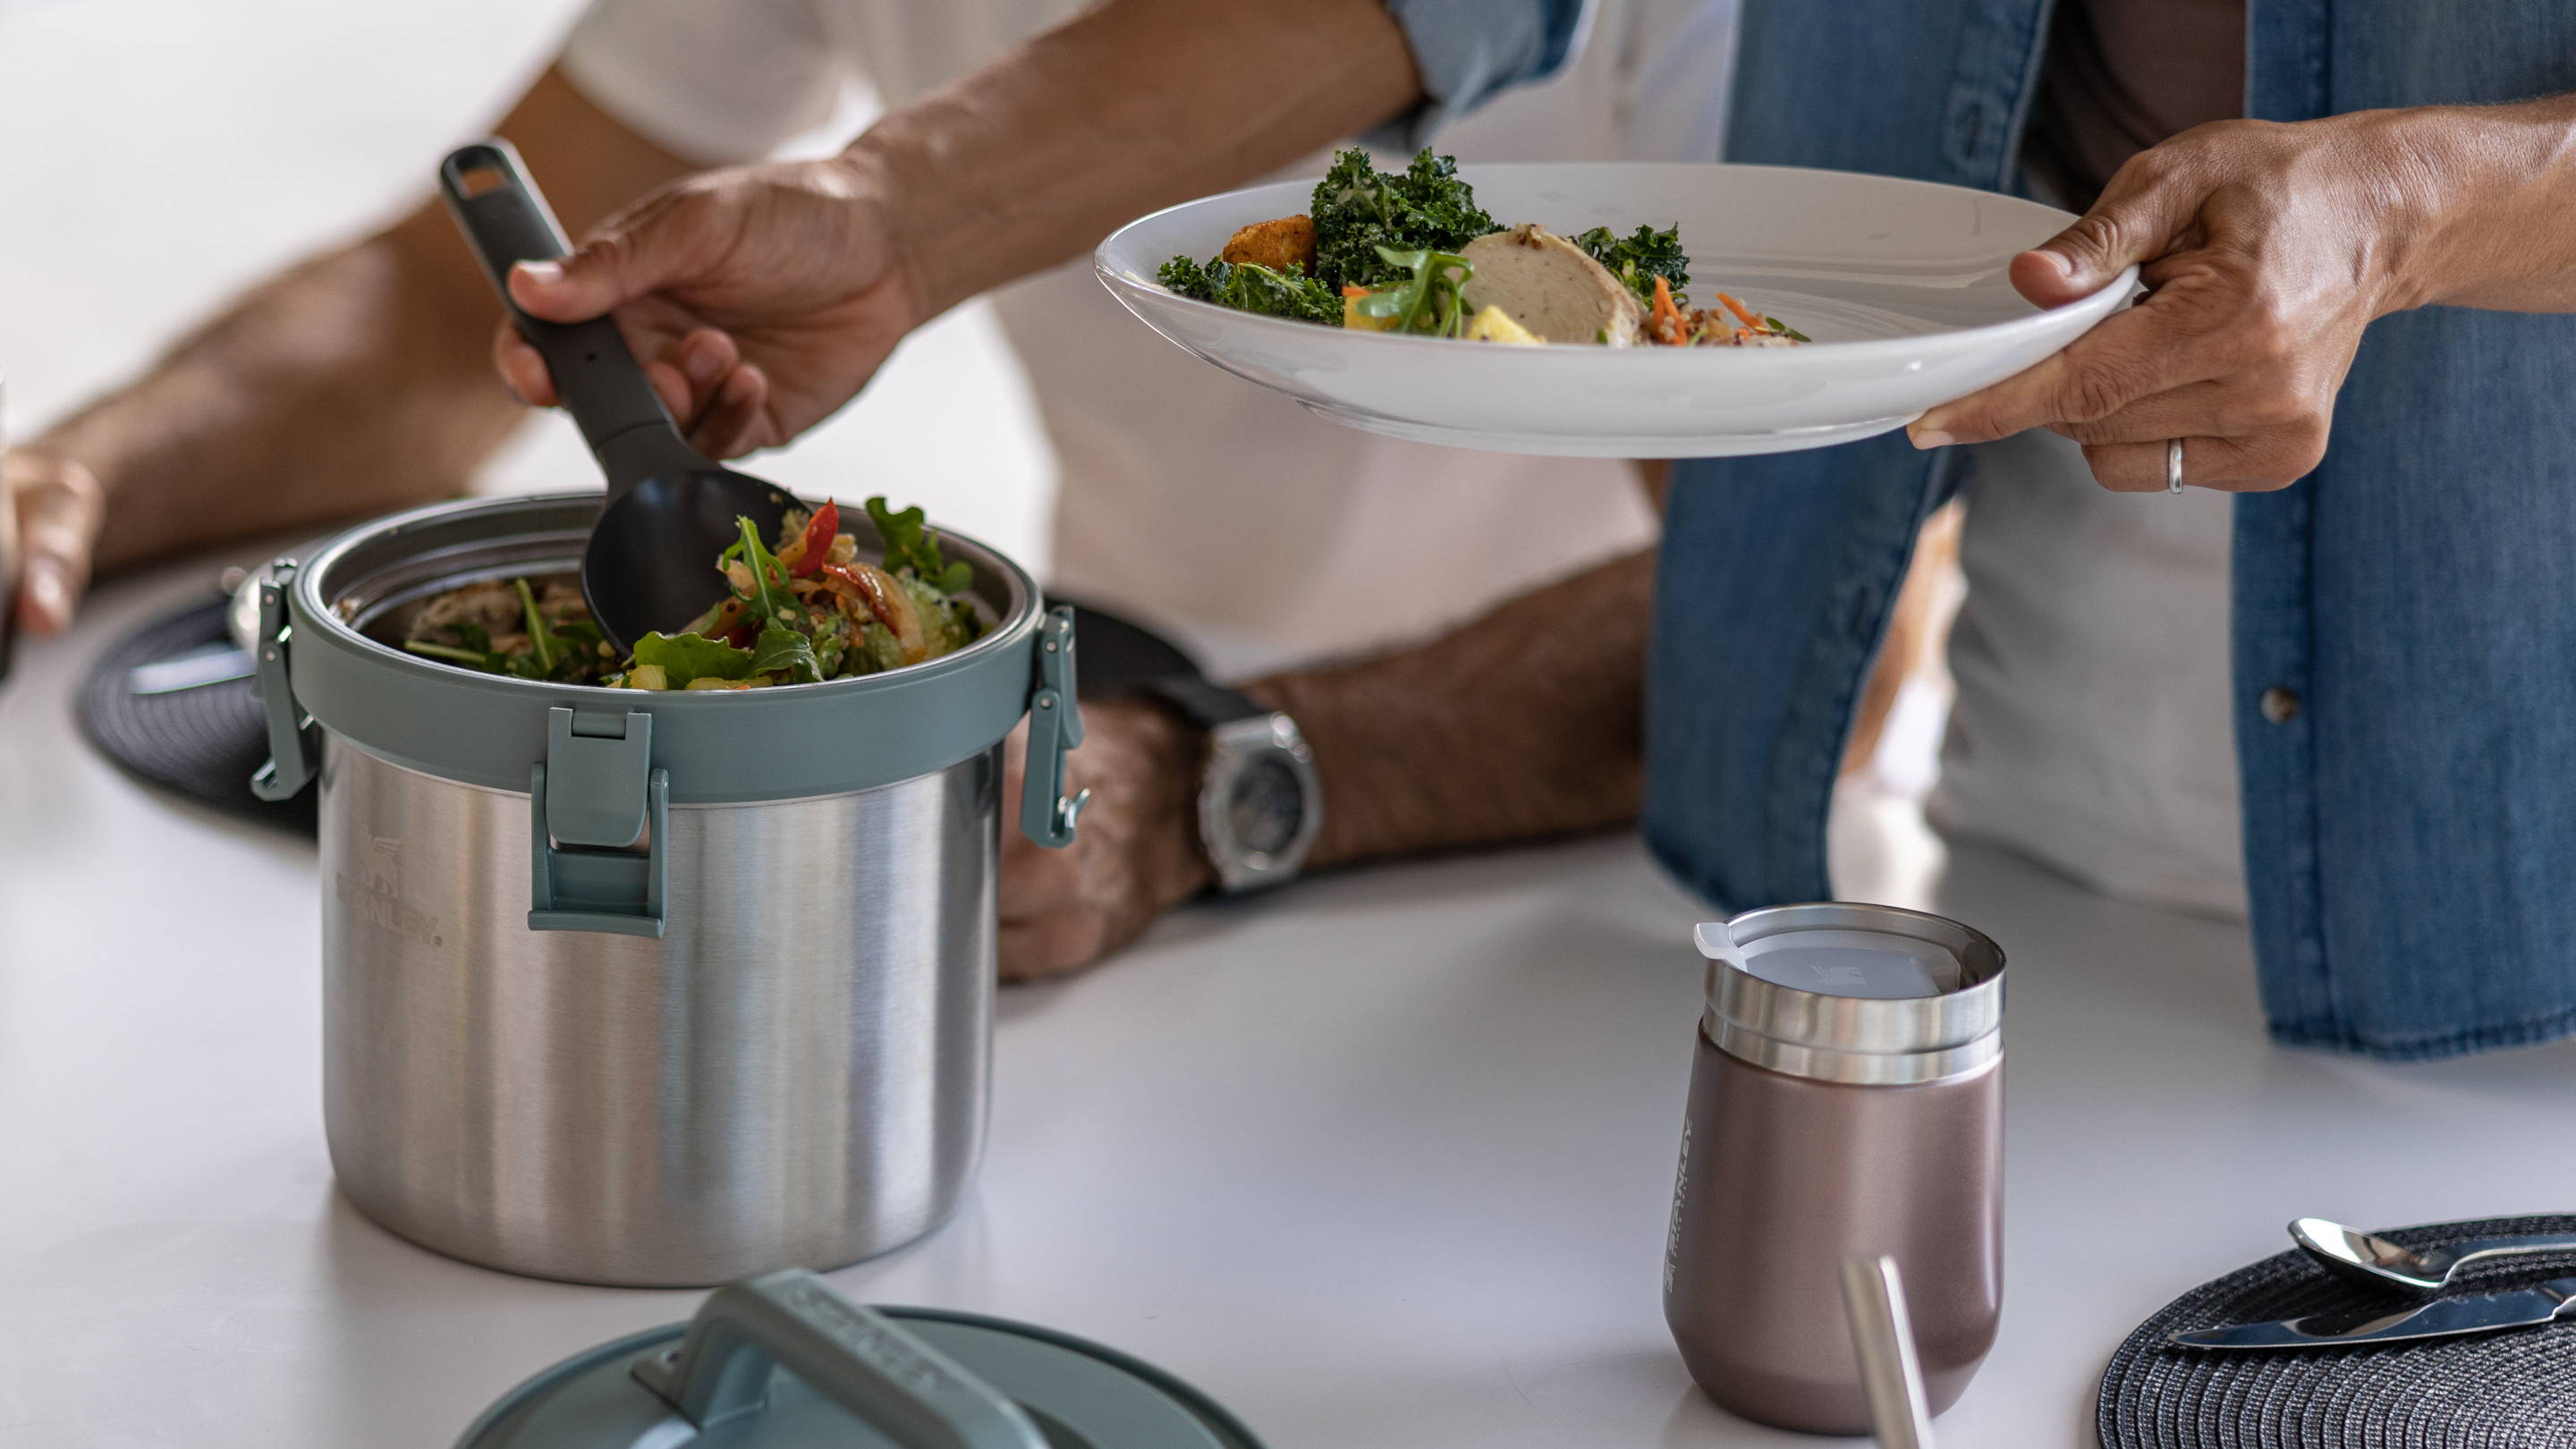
(802, 608)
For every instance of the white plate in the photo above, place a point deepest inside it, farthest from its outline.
(1901, 284)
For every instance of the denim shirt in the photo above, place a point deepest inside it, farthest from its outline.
(2409, 799)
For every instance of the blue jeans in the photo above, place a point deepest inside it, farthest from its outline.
(2410, 829)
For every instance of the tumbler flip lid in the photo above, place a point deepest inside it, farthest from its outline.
(1846, 992)
(1858, 963)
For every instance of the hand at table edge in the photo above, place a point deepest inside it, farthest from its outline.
(58, 505)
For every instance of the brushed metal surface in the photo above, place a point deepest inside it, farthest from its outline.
(1781, 1179)
(794, 1076)
(1860, 1040)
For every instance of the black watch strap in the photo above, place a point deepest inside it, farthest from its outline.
(1206, 705)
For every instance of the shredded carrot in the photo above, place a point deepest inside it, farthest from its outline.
(1351, 291)
(1742, 333)
(1666, 317)
(1739, 310)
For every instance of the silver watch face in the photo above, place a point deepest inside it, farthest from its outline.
(1265, 804)
(1258, 807)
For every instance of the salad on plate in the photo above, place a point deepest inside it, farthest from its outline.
(1411, 252)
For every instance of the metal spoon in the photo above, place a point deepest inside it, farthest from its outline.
(1900, 1415)
(2369, 1258)
(651, 560)
(219, 662)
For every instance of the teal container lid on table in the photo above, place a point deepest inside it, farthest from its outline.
(784, 1362)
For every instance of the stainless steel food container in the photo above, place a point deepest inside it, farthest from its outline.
(1838, 1108)
(648, 988)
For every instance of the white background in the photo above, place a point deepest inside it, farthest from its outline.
(158, 155)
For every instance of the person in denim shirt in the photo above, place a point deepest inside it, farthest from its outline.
(2363, 263)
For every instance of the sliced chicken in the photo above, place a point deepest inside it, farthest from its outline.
(1546, 284)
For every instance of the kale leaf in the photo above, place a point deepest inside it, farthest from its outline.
(1637, 260)
(1251, 287)
(1360, 211)
(1189, 279)
(1362, 216)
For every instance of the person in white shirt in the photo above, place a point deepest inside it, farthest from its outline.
(1491, 610)
(2092, 720)
(1462, 598)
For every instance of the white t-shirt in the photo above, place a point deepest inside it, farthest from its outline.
(2091, 726)
(1205, 505)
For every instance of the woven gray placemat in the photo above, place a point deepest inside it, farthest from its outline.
(2510, 1390)
(203, 743)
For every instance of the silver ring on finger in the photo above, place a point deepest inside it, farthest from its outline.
(2173, 466)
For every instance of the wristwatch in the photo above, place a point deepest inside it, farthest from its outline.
(1259, 802)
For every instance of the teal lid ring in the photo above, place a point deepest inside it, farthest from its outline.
(600, 764)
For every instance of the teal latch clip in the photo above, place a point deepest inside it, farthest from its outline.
(592, 801)
(1055, 727)
(294, 740)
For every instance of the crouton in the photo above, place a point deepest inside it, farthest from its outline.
(1286, 245)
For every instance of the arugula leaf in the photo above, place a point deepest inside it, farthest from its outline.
(1640, 258)
(768, 575)
(782, 650)
(483, 659)
(683, 657)
(1430, 302)
(910, 544)
(541, 641)
(567, 651)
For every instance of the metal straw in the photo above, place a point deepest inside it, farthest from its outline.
(1883, 1340)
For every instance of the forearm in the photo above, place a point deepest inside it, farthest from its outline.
(1136, 105)
(354, 382)
(357, 382)
(2487, 190)
(1524, 723)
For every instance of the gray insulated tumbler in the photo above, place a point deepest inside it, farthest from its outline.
(1847, 1098)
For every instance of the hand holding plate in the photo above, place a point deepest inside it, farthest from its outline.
(2266, 249)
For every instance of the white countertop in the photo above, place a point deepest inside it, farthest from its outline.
(1382, 1162)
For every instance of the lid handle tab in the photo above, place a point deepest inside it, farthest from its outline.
(895, 1383)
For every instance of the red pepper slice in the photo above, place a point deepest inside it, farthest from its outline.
(861, 589)
(818, 539)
